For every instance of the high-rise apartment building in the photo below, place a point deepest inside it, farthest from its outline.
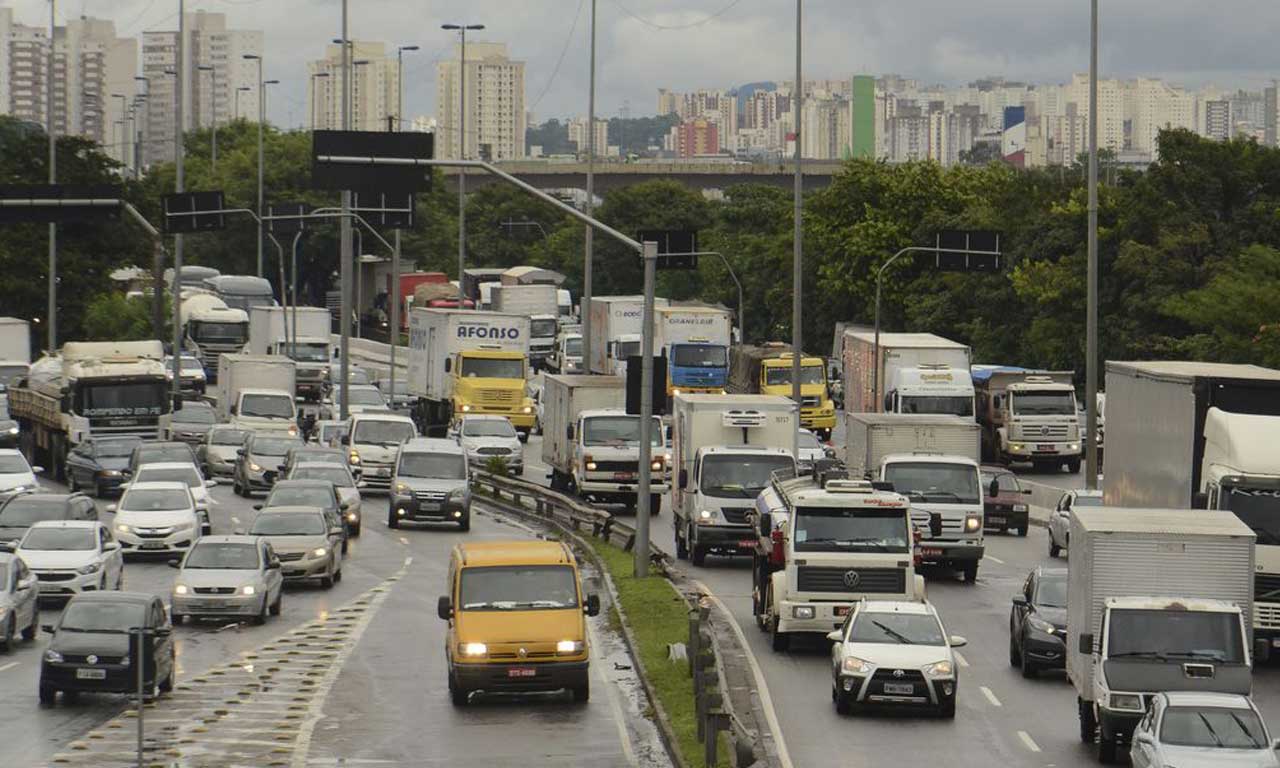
(1271, 115)
(375, 88)
(495, 106)
(1217, 119)
(578, 135)
(693, 138)
(1111, 109)
(1155, 106)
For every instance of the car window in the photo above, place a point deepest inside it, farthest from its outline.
(184, 474)
(288, 524)
(300, 496)
(227, 436)
(225, 555)
(12, 464)
(897, 628)
(25, 510)
(155, 499)
(102, 616)
(59, 539)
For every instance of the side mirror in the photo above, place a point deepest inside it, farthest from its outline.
(1200, 501)
(569, 431)
(210, 483)
(233, 410)
(239, 451)
(238, 531)
(362, 484)
(177, 402)
(835, 636)
(336, 531)
(1020, 601)
(593, 604)
(111, 546)
(956, 641)
(281, 467)
(1026, 491)
(112, 508)
(1086, 643)
(448, 364)
(766, 523)
(257, 507)
(48, 628)
(37, 470)
(444, 608)
(935, 525)
(1275, 744)
(684, 479)
(175, 563)
(1144, 738)
(994, 488)
(345, 440)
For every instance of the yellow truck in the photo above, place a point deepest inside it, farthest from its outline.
(765, 369)
(466, 362)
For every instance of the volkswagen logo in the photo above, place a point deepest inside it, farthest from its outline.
(91, 659)
(851, 579)
(898, 673)
(523, 653)
(1044, 431)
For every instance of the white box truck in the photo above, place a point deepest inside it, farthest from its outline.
(695, 340)
(725, 450)
(615, 331)
(271, 333)
(901, 352)
(1157, 600)
(15, 349)
(541, 305)
(466, 361)
(593, 445)
(255, 392)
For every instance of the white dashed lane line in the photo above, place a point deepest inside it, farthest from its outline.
(10, 665)
(993, 559)
(961, 660)
(991, 697)
(1028, 742)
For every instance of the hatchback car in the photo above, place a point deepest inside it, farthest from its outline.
(361, 399)
(317, 494)
(430, 484)
(228, 576)
(192, 422)
(72, 556)
(1038, 622)
(305, 540)
(343, 482)
(98, 464)
(1202, 730)
(182, 472)
(1060, 519)
(487, 437)
(19, 601)
(1004, 503)
(220, 450)
(191, 375)
(156, 518)
(21, 512)
(894, 653)
(161, 450)
(89, 651)
(16, 475)
(258, 461)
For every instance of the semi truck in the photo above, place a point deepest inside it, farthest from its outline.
(241, 291)
(916, 373)
(409, 282)
(932, 460)
(1157, 600)
(1028, 416)
(210, 328)
(15, 349)
(468, 361)
(472, 278)
(537, 302)
(256, 392)
(766, 370)
(615, 331)
(823, 544)
(90, 389)
(271, 332)
(593, 445)
(695, 340)
(725, 449)
(1203, 435)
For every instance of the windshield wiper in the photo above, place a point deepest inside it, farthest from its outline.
(1139, 654)
(895, 634)
(501, 605)
(544, 604)
(1245, 730)
(1209, 727)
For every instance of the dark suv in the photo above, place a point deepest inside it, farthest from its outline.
(99, 463)
(1004, 501)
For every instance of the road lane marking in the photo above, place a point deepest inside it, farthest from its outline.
(404, 541)
(10, 665)
(991, 697)
(762, 687)
(993, 559)
(619, 719)
(961, 660)
(1028, 742)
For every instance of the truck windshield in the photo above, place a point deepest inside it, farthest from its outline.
(573, 346)
(1213, 727)
(1044, 404)
(490, 368)
(934, 481)
(124, 399)
(832, 529)
(267, 406)
(433, 466)
(308, 353)
(518, 588)
(739, 476)
(1258, 508)
(232, 333)
(699, 356)
(1175, 634)
(956, 406)
(777, 375)
(543, 328)
(618, 430)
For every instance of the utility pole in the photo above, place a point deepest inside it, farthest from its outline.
(797, 253)
(1091, 323)
(179, 186)
(52, 311)
(395, 296)
(261, 119)
(584, 301)
(344, 322)
(462, 149)
(649, 254)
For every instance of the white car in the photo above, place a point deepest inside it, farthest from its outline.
(1187, 729)
(361, 398)
(1060, 518)
(156, 517)
(181, 472)
(228, 576)
(372, 445)
(486, 437)
(72, 556)
(16, 475)
(894, 653)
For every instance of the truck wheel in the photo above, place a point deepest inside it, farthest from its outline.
(655, 505)
(682, 549)
(1088, 724)
(1106, 749)
(779, 641)
(1054, 549)
(970, 573)
(1073, 466)
(697, 554)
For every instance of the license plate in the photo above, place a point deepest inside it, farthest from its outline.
(899, 689)
(931, 551)
(1044, 447)
(1275, 643)
(995, 518)
(842, 610)
(623, 475)
(429, 506)
(747, 544)
(91, 674)
(152, 545)
(522, 672)
(213, 603)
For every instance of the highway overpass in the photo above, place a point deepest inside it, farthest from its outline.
(549, 174)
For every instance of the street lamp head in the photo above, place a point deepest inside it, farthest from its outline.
(270, 82)
(252, 56)
(408, 48)
(451, 26)
(244, 88)
(205, 67)
(141, 78)
(359, 62)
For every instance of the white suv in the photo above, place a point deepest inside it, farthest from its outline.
(372, 445)
(72, 556)
(156, 517)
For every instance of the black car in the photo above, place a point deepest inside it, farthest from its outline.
(21, 512)
(258, 462)
(1038, 622)
(319, 494)
(192, 422)
(1004, 505)
(160, 450)
(98, 464)
(89, 651)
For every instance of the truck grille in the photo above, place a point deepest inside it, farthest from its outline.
(1045, 431)
(871, 580)
(810, 401)
(1266, 587)
(497, 395)
(735, 515)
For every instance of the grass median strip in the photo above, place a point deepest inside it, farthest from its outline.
(657, 616)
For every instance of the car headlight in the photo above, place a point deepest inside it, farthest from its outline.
(85, 570)
(972, 523)
(353, 458)
(293, 430)
(474, 649)
(706, 515)
(1074, 447)
(570, 646)
(527, 409)
(940, 669)
(1038, 623)
(1019, 507)
(320, 551)
(248, 589)
(1015, 446)
(53, 656)
(675, 390)
(13, 430)
(351, 517)
(855, 666)
(122, 528)
(180, 589)
(1128, 701)
(253, 467)
(403, 488)
(591, 466)
(802, 612)
(466, 409)
(109, 472)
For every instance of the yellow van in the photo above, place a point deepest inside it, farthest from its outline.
(516, 614)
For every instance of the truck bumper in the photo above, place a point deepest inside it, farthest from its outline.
(814, 419)
(815, 617)
(690, 390)
(1031, 451)
(725, 539)
(1117, 725)
(949, 554)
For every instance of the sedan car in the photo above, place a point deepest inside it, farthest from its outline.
(99, 463)
(89, 651)
(1060, 519)
(343, 483)
(1038, 622)
(182, 472)
(317, 494)
(312, 454)
(894, 653)
(160, 450)
(72, 556)
(220, 450)
(156, 518)
(192, 423)
(487, 437)
(258, 461)
(305, 540)
(362, 398)
(191, 375)
(811, 450)
(16, 475)
(19, 601)
(228, 576)
(1202, 730)
(1004, 503)
(21, 512)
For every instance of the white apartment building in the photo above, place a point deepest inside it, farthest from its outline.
(1111, 109)
(578, 135)
(1217, 119)
(495, 107)
(375, 88)
(908, 138)
(1153, 105)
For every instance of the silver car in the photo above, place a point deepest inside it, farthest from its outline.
(1060, 518)
(19, 601)
(301, 537)
(220, 449)
(228, 576)
(488, 437)
(1202, 730)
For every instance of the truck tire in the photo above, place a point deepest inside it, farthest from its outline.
(655, 505)
(970, 573)
(779, 641)
(1088, 724)
(682, 548)
(1073, 466)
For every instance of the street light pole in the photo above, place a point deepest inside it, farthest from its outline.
(797, 255)
(400, 89)
(261, 119)
(344, 324)
(1091, 323)
(52, 310)
(584, 301)
(179, 152)
(213, 107)
(395, 294)
(462, 148)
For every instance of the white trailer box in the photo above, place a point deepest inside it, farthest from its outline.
(240, 372)
(897, 351)
(436, 335)
(563, 398)
(268, 325)
(691, 325)
(526, 300)
(611, 318)
(15, 340)
(869, 437)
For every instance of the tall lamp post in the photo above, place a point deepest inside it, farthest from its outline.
(261, 119)
(124, 131)
(52, 309)
(1091, 323)
(395, 297)
(797, 243)
(399, 123)
(179, 155)
(213, 107)
(588, 235)
(462, 30)
(314, 109)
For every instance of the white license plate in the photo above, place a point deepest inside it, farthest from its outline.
(995, 518)
(899, 689)
(931, 551)
(1044, 447)
(152, 545)
(429, 506)
(522, 672)
(213, 604)
(91, 674)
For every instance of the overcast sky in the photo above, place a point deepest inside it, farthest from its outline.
(685, 44)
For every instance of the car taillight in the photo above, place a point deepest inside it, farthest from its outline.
(777, 554)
